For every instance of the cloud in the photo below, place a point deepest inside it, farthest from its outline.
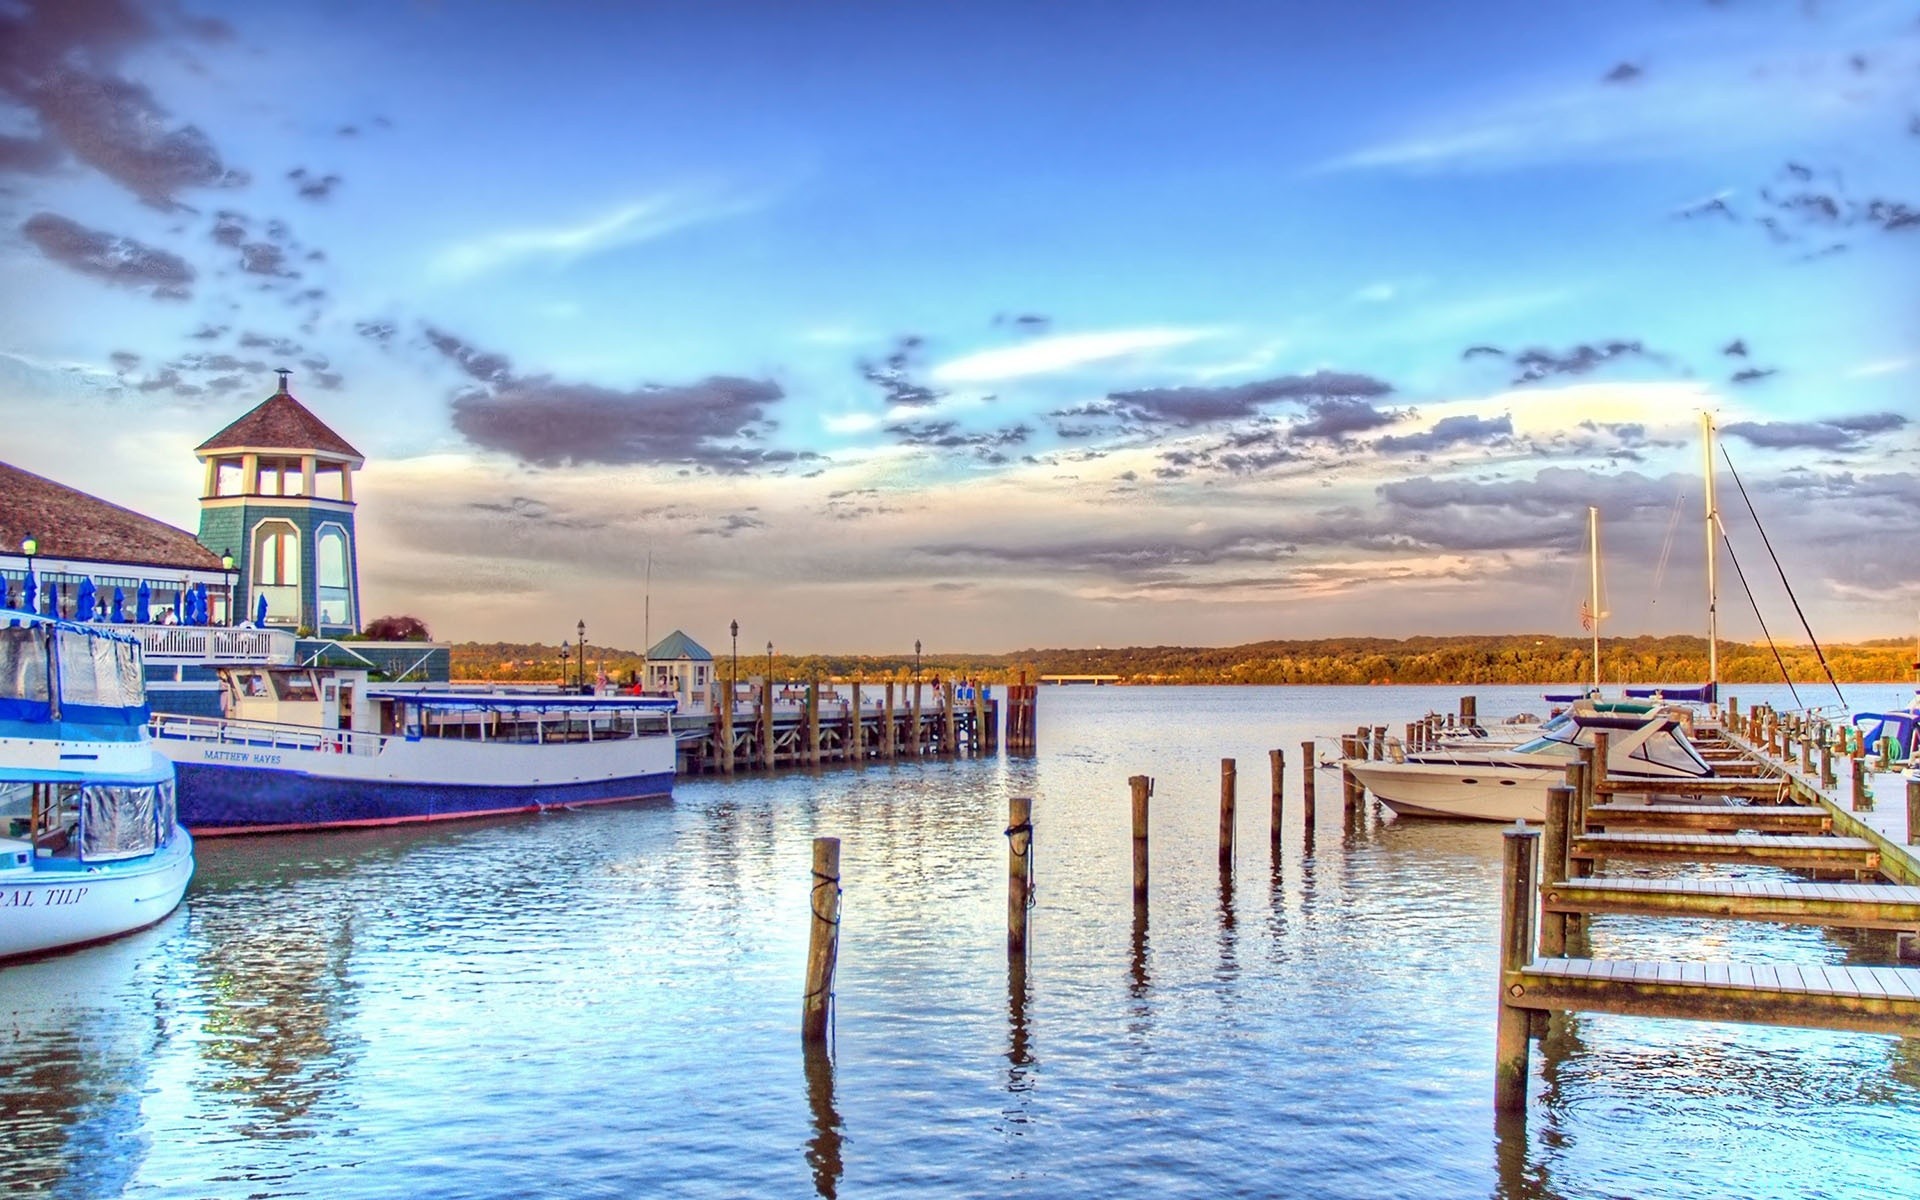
(1334, 417)
(1625, 72)
(57, 63)
(379, 332)
(1752, 374)
(632, 224)
(1449, 431)
(124, 360)
(892, 375)
(946, 435)
(1537, 363)
(1062, 352)
(121, 261)
(1185, 407)
(283, 347)
(265, 258)
(313, 187)
(1839, 433)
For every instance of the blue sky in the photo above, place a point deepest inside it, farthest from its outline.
(996, 325)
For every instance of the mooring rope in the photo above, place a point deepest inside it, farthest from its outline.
(1025, 829)
(820, 881)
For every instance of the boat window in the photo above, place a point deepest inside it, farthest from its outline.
(23, 667)
(100, 672)
(117, 821)
(297, 685)
(16, 809)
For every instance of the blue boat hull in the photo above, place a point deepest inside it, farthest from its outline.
(233, 799)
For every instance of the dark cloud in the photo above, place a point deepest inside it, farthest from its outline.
(893, 375)
(348, 131)
(265, 258)
(1334, 418)
(1537, 363)
(208, 333)
(1482, 351)
(1024, 322)
(1839, 433)
(1752, 375)
(284, 347)
(946, 435)
(732, 524)
(1142, 558)
(1891, 216)
(29, 155)
(121, 261)
(1735, 349)
(477, 364)
(311, 186)
(1712, 206)
(1185, 407)
(1449, 431)
(329, 380)
(59, 63)
(124, 360)
(380, 332)
(229, 228)
(1625, 72)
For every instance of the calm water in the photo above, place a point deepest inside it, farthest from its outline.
(606, 1002)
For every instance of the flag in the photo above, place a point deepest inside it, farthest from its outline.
(1586, 615)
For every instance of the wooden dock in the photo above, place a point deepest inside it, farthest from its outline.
(1768, 807)
(773, 726)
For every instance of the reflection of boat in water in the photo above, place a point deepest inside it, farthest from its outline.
(1511, 784)
(319, 747)
(89, 845)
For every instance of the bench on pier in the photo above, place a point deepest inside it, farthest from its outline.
(1846, 905)
(1861, 999)
(1723, 818)
(1798, 852)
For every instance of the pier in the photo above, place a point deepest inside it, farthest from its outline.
(773, 725)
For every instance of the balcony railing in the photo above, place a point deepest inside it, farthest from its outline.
(176, 644)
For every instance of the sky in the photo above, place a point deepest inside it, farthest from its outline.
(998, 325)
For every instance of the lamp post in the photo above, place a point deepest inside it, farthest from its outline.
(916, 666)
(733, 681)
(29, 546)
(581, 629)
(769, 664)
(226, 568)
(565, 652)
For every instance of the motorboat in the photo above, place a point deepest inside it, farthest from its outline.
(317, 747)
(90, 846)
(1500, 784)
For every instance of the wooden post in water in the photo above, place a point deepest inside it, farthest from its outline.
(1019, 870)
(1379, 743)
(889, 738)
(857, 736)
(1277, 762)
(980, 726)
(1306, 786)
(1913, 812)
(1352, 790)
(1469, 711)
(916, 744)
(950, 745)
(1862, 801)
(1229, 786)
(766, 722)
(726, 731)
(813, 722)
(823, 940)
(1806, 749)
(1516, 950)
(1142, 789)
(1553, 868)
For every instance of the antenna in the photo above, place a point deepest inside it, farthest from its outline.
(646, 620)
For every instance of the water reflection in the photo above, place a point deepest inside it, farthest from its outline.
(1020, 1059)
(823, 1148)
(1137, 960)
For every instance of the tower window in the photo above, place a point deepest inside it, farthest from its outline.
(276, 554)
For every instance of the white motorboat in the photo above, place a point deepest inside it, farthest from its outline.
(89, 845)
(1511, 784)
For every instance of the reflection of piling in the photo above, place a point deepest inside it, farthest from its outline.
(823, 940)
(1277, 761)
(1019, 871)
(823, 1148)
(1229, 786)
(1306, 786)
(1142, 789)
(1516, 950)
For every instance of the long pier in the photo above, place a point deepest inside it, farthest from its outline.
(770, 725)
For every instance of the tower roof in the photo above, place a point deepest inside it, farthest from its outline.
(280, 423)
(70, 524)
(678, 645)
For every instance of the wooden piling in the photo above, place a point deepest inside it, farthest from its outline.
(857, 736)
(1142, 789)
(950, 742)
(1352, 791)
(1469, 711)
(1277, 763)
(1379, 743)
(1019, 870)
(1862, 799)
(1516, 950)
(916, 745)
(889, 733)
(823, 940)
(726, 731)
(1306, 786)
(813, 722)
(1913, 812)
(1806, 749)
(1826, 759)
(1229, 786)
(1553, 867)
(981, 742)
(766, 723)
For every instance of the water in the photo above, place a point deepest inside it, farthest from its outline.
(606, 1003)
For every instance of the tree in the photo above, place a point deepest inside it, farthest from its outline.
(397, 629)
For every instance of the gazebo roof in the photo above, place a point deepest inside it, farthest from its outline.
(677, 645)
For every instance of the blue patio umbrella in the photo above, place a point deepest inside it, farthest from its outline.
(83, 601)
(260, 611)
(29, 593)
(118, 614)
(200, 608)
(143, 604)
(189, 606)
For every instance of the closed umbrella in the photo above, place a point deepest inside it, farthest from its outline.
(29, 593)
(83, 602)
(200, 604)
(260, 611)
(118, 614)
(143, 604)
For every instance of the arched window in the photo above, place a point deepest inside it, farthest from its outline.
(276, 554)
(333, 576)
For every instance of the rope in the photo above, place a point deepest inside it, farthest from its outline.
(1818, 652)
(1025, 829)
(1763, 621)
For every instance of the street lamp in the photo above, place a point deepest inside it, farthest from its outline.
(769, 664)
(581, 629)
(29, 546)
(565, 652)
(916, 666)
(226, 568)
(733, 683)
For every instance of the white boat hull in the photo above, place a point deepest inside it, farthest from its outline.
(1465, 792)
(53, 909)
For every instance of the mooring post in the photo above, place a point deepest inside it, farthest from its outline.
(1379, 743)
(1826, 759)
(1913, 812)
(813, 722)
(1576, 868)
(1517, 898)
(1469, 711)
(1862, 798)
(1277, 762)
(1306, 786)
(889, 734)
(857, 736)
(1229, 785)
(726, 731)
(1142, 789)
(1553, 868)
(979, 691)
(1733, 712)
(950, 746)
(767, 749)
(823, 940)
(1019, 870)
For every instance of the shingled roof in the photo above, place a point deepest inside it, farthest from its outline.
(69, 524)
(280, 423)
(678, 645)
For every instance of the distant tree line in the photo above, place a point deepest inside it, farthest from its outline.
(1512, 658)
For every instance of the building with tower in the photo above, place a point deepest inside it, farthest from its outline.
(278, 499)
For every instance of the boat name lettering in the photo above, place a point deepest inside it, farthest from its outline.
(50, 897)
(240, 756)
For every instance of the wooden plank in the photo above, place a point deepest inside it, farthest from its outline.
(1875, 999)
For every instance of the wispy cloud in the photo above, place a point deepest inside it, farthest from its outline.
(1888, 366)
(633, 223)
(1046, 356)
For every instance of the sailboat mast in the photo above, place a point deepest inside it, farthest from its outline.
(1593, 586)
(1713, 586)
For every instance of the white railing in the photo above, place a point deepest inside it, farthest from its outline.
(163, 643)
(265, 735)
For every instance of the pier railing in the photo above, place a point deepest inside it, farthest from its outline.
(176, 644)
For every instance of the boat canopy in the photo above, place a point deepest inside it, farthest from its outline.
(1703, 693)
(61, 670)
(1901, 728)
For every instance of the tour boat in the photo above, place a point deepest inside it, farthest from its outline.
(311, 747)
(89, 844)
(1511, 784)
